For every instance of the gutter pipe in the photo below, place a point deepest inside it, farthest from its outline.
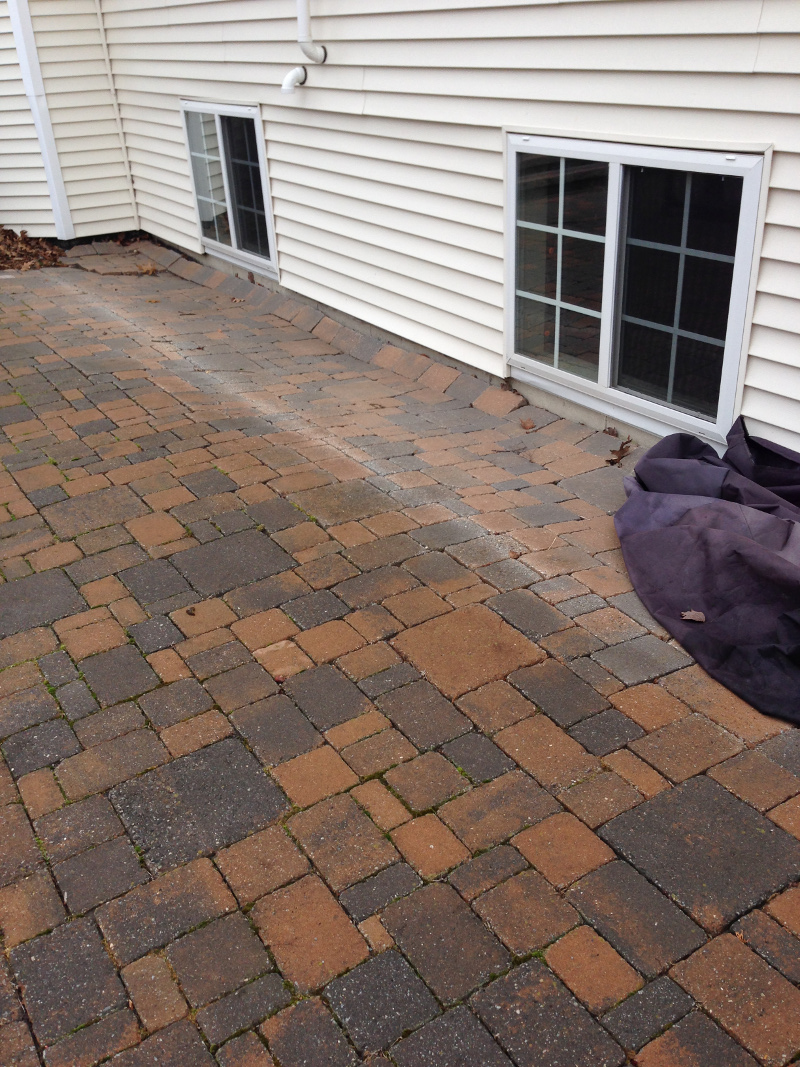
(28, 59)
(317, 53)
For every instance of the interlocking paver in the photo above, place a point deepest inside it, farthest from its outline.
(248, 533)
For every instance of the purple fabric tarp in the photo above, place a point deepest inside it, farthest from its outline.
(721, 536)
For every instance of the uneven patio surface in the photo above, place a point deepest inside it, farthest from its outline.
(333, 731)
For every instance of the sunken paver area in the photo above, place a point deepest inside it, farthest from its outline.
(332, 731)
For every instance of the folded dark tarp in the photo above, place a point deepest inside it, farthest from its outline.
(721, 537)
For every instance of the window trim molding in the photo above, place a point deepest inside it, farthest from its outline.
(602, 396)
(239, 257)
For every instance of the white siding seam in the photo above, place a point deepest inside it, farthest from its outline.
(117, 116)
(28, 58)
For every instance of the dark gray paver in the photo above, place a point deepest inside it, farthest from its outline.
(27, 708)
(197, 804)
(373, 894)
(379, 1000)
(606, 732)
(773, 942)
(37, 601)
(602, 487)
(119, 675)
(443, 534)
(307, 1035)
(426, 717)
(174, 702)
(543, 514)
(99, 875)
(784, 750)
(315, 609)
(40, 746)
(67, 979)
(94, 510)
(178, 1044)
(275, 515)
(644, 1015)
(218, 958)
(446, 942)
(556, 690)
(528, 612)
(326, 696)
(641, 659)
(244, 1008)
(540, 1024)
(456, 1039)
(77, 827)
(478, 757)
(715, 855)
(276, 730)
(222, 565)
(696, 1040)
(639, 921)
(153, 635)
(208, 483)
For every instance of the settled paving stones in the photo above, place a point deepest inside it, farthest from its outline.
(205, 806)
(713, 854)
(445, 941)
(37, 601)
(67, 978)
(197, 804)
(540, 1024)
(231, 561)
(380, 1000)
(639, 921)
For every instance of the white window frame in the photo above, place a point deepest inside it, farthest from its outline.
(237, 256)
(603, 396)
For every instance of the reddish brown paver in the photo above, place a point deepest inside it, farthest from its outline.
(254, 574)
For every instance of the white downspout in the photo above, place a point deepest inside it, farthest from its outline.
(28, 58)
(317, 53)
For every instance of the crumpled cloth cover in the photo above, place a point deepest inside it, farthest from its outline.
(721, 536)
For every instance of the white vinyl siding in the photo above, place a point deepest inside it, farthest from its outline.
(24, 197)
(80, 99)
(386, 168)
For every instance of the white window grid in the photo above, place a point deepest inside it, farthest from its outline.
(603, 395)
(238, 256)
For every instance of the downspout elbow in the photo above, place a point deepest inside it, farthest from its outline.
(317, 53)
(296, 76)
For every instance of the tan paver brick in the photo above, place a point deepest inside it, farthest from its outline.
(429, 846)
(595, 973)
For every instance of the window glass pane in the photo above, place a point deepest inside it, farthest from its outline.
(536, 330)
(698, 372)
(651, 284)
(644, 360)
(579, 344)
(585, 195)
(207, 169)
(537, 261)
(537, 189)
(714, 212)
(582, 272)
(245, 184)
(656, 204)
(706, 296)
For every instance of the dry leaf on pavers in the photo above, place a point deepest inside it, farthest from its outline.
(618, 454)
(693, 616)
(527, 425)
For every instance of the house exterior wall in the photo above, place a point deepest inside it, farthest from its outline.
(387, 168)
(24, 197)
(80, 97)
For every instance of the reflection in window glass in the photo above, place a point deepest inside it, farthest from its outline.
(561, 221)
(246, 187)
(679, 254)
(208, 177)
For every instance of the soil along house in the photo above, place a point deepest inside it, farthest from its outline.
(597, 198)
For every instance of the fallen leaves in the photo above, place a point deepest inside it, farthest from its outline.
(21, 252)
(618, 454)
(527, 425)
(693, 616)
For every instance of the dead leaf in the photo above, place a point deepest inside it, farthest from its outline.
(612, 431)
(20, 252)
(237, 299)
(153, 301)
(693, 616)
(618, 454)
(527, 425)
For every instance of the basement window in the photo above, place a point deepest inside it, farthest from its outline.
(228, 163)
(630, 280)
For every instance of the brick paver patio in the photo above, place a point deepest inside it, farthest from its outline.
(333, 731)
